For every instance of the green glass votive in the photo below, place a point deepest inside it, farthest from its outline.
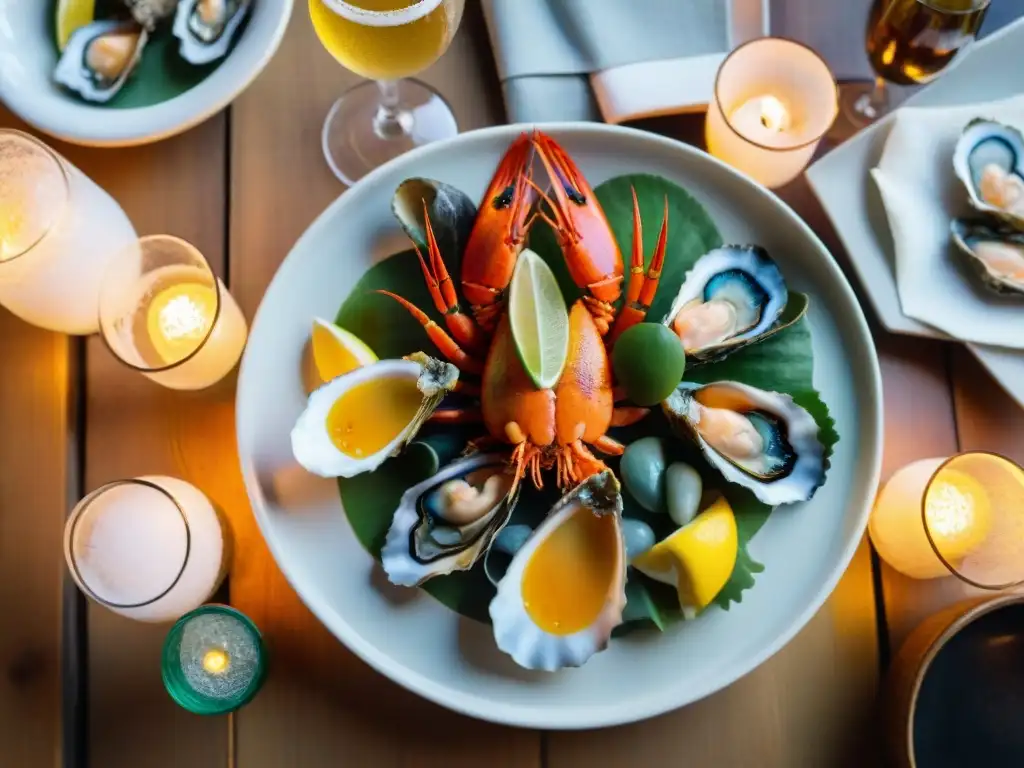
(214, 660)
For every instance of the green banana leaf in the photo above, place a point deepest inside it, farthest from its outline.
(782, 363)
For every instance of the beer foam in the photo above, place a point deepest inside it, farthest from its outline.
(407, 15)
(33, 193)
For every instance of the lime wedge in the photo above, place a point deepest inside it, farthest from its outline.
(71, 15)
(539, 319)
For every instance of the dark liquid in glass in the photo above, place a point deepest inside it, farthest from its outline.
(910, 41)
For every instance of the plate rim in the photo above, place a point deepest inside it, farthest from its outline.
(473, 705)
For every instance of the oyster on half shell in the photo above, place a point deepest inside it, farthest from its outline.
(994, 250)
(989, 160)
(207, 27)
(761, 440)
(100, 57)
(732, 297)
(565, 589)
(446, 522)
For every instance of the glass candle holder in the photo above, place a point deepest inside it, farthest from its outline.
(150, 548)
(774, 100)
(164, 312)
(960, 516)
(214, 660)
(58, 232)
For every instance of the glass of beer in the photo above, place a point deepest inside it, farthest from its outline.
(386, 41)
(908, 42)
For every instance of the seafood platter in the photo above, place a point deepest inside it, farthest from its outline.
(532, 415)
(133, 52)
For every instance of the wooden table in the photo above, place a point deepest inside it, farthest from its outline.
(81, 686)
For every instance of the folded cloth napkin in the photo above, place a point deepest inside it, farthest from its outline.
(610, 59)
(921, 195)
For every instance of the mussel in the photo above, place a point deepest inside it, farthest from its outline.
(734, 296)
(207, 27)
(446, 522)
(995, 251)
(761, 440)
(989, 160)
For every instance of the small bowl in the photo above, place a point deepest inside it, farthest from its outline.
(956, 689)
(28, 56)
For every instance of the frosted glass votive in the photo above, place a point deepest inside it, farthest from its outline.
(774, 100)
(150, 548)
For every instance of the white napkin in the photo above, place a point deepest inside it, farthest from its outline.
(921, 195)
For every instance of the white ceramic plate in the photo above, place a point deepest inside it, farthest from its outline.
(412, 639)
(28, 57)
(842, 183)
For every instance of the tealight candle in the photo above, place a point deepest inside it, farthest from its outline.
(164, 313)
(962, 516)
(214, 660)
(774, 100)
(150, 548)
(58, 232)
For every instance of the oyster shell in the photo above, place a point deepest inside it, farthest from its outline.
(207, 27)
(989, 160)
(732, 297)
(100, 57)
(548, 613)
(149, 13)
(417, 385)
(446, 522)
(994, 250)
(761, 440)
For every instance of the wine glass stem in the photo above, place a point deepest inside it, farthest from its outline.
(875, 103)
(391, 121)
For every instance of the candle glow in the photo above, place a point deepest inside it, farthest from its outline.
(216, 661)
(179, 318)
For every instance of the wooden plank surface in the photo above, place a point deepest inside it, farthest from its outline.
(34, 412)
(136, 427)
(321, 706)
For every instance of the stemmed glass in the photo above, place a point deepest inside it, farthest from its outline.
(387, 41)
(908, 42)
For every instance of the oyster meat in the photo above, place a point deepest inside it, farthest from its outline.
(761, 440)
(446, 522)
(100, 57)
(994, 250)
(565, 589)
(207, 27)
(989, 160)
(733, 297)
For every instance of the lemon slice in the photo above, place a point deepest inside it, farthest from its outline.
(539, 319)
(72, 15)
(697, 560)
(337, 351)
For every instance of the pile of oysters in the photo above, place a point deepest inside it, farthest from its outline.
(989, 160)
(101, 56)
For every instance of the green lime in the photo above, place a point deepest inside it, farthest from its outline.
(71, 15)
(649, 361)
(539, 320)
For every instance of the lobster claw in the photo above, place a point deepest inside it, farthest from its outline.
(583, 232)
(498, 234)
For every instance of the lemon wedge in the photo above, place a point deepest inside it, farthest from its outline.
(71, 15)
(697, 560)
(539, 319)
(337, 351)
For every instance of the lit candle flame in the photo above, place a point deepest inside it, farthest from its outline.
(215, 661)
(774, 115)
(182, 318)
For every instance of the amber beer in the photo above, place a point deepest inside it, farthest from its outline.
(403, 37)
(911, 41)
